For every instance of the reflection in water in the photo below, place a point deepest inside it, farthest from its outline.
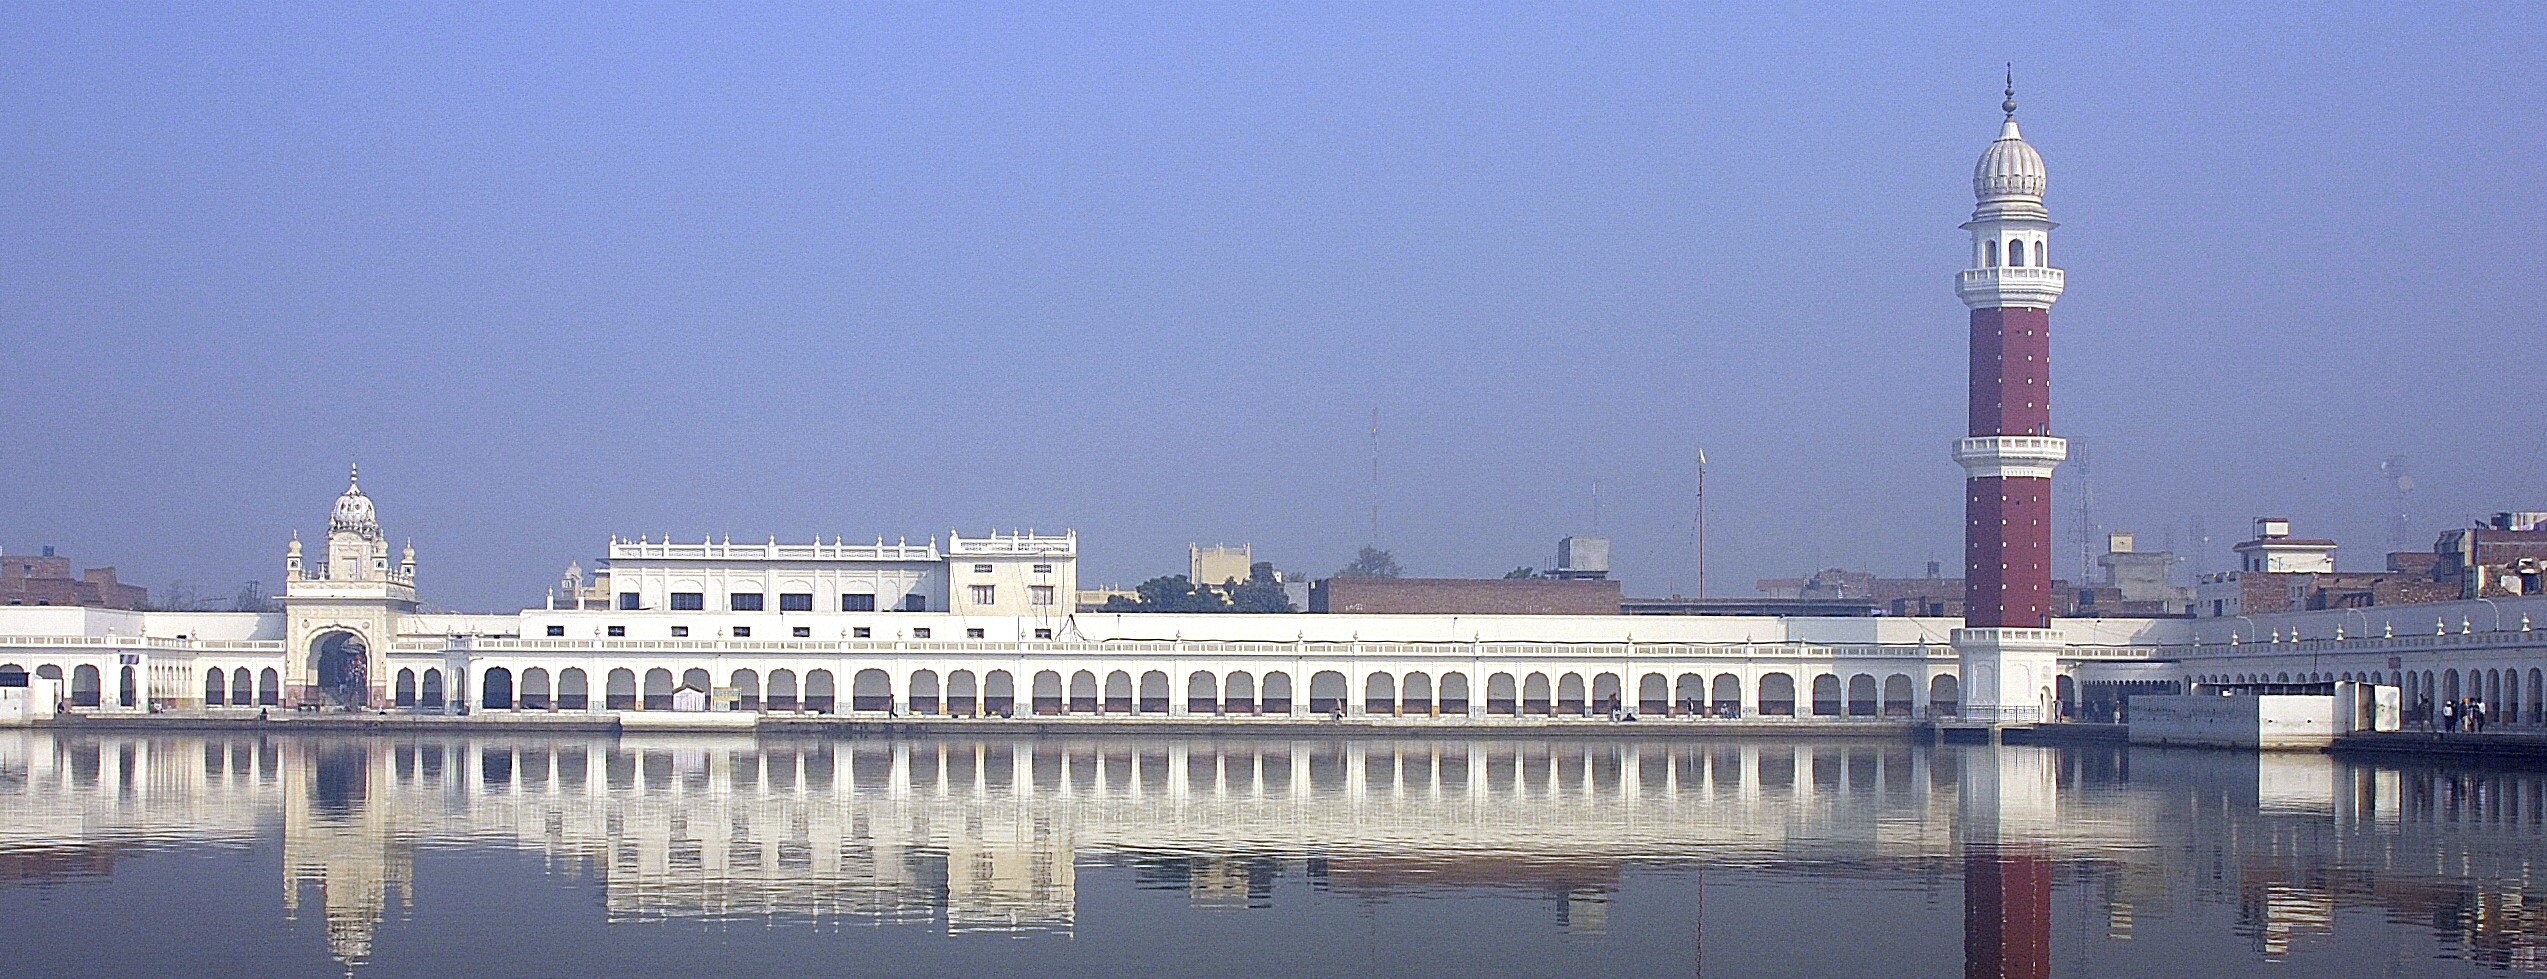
(970, 836)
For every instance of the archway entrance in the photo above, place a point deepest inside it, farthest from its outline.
(340, 663)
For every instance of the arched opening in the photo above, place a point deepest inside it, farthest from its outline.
(871, 690)
(1379, 694)
(497, 689)
(1653, 694)
(1570, 700)
(1536, 696)
(658, 689)
(963, 694)
(2065, 697)
(1202, 693)
(242, 687)
(269, 687)
(1277, 694)
(747, 690)
(1826, 695)
(340, 661)
(619, 690)
(535, 694)
(1083, 693)
(1118, 692)
(1047, 697)
(1861, 695)
(403, 692)
(1415, 694)
(999, 693)
(822, 692)
(574, 690)
(2016, 252)
(1608, 693)
(1238, 693)
(1724, 696)
(429, 691)
(1326, 692)
(14, 675)
(1154, 692)
(1454, 694)
(697, 679)
(782, 692)
(128, 688)
(1777, 695)
(924, 692)
(1503, 696)
(1898, 696)
(216, 685)
(1990, 253)
(2042, 254)
(2450, 685)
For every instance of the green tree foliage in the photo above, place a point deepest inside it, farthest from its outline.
(1372, 562)
(1261, 592)
(1525, 571)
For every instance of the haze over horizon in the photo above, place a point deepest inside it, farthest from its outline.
(1145, 272)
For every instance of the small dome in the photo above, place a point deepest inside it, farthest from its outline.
(2009, 168)
(353, 513)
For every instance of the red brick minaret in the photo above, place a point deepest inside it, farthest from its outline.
(2008, 649)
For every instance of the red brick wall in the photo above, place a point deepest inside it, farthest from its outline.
(1464, 596)
(2011, 372)
(2007, 577)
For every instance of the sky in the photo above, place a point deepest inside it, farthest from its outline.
(551, 273)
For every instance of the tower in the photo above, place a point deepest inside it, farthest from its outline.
(340, 616)
(2007, 646)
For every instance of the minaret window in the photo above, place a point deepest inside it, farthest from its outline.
(2042, 254)
(1990, 254)
(2016, 253)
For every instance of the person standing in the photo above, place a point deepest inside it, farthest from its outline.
(2449, 715)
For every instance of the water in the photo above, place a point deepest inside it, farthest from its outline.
(232, 855)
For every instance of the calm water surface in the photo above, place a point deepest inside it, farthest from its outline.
(235, 855)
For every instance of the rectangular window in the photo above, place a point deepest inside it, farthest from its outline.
(742, 632)
(1039, 594)
(628, 601)
(680, 632)
(857, 603)
(981, 569)
(688, 601)
(618, 630)
(1043, 633)
(985, 594)
(743, 601)
(920, 633)
(915, 603)
(557, 630)
(804, 632)
(1043, 569)
(972, 633)
(796, 603)
(862, 632)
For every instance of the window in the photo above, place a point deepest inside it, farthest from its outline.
(680, 632)
(1039, 594)
(688, 601)
(618, 630)
(1043, 569)
(796, 602)
(972, 633)
(915, 603)
(628, 601)
(804, 632)
(2042, 253)
(857, 603)
(981, 569)
(744, 601)
(985, 594)
(862, 632)
(1990, 252)
(557, 630)
(742, 632)
(920, 633)
(2016, 252)
(1043, 633)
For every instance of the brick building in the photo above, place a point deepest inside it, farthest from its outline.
(1465, 596)
(46, 579)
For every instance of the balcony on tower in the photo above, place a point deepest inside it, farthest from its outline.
(2022, 456)
(2009, 285)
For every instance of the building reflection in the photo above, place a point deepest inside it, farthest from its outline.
(989, 835)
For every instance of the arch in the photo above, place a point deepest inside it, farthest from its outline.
(1202, 693)
(1379, 694)
(1689, 695)
(1537, 697)
(12, 674)
(242, 687)
(216, 684)
(999, 693)
(496, 691)
(2537, 696)
(781, 694)
(535, 693)
(2450, 684)
(402, 692)
(1990, 253)
(1724, 695)
(1118, 693)
(85, 684)
(1569, 695)
(128, 687)
(339, 664)
(574, 691)
(658, 690)
(1415, 693)
(871, 689)
(269, 687)
(1826, 695)
(1653, 694)
(1047, 693)
(49, 672)
(924, 699)
(1275, 697)
(2016, 251)
(2043, 253)
(1898, 696)
(1154, 692)
(1609, 693)
(1326, 692)
(1502, 695)
(430, 691)
(619, 690)
(1238, 693)
(1083, 692)
(699, 680)
(1861, 695)
(1454, 693)
(822, 692)
(747, 690)
(1777, 695)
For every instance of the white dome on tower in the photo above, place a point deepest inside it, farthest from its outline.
(353, 514)
(2009, 168)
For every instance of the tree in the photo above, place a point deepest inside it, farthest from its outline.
(1372, 562)
(1524, 571)
(1169, 593)
(1262, 591)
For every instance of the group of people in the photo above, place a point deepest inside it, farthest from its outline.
(2465, 715)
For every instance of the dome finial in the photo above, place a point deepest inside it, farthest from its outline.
(353, 476)
(2009, 106)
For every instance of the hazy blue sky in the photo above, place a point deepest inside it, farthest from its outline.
(552, 273)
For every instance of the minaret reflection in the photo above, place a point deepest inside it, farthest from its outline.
(2006, 806)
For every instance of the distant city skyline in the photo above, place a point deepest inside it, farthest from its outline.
(1146, 274)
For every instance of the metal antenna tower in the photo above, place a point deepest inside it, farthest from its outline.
(1375, 476)
(2086, 520)
(1702, 524)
